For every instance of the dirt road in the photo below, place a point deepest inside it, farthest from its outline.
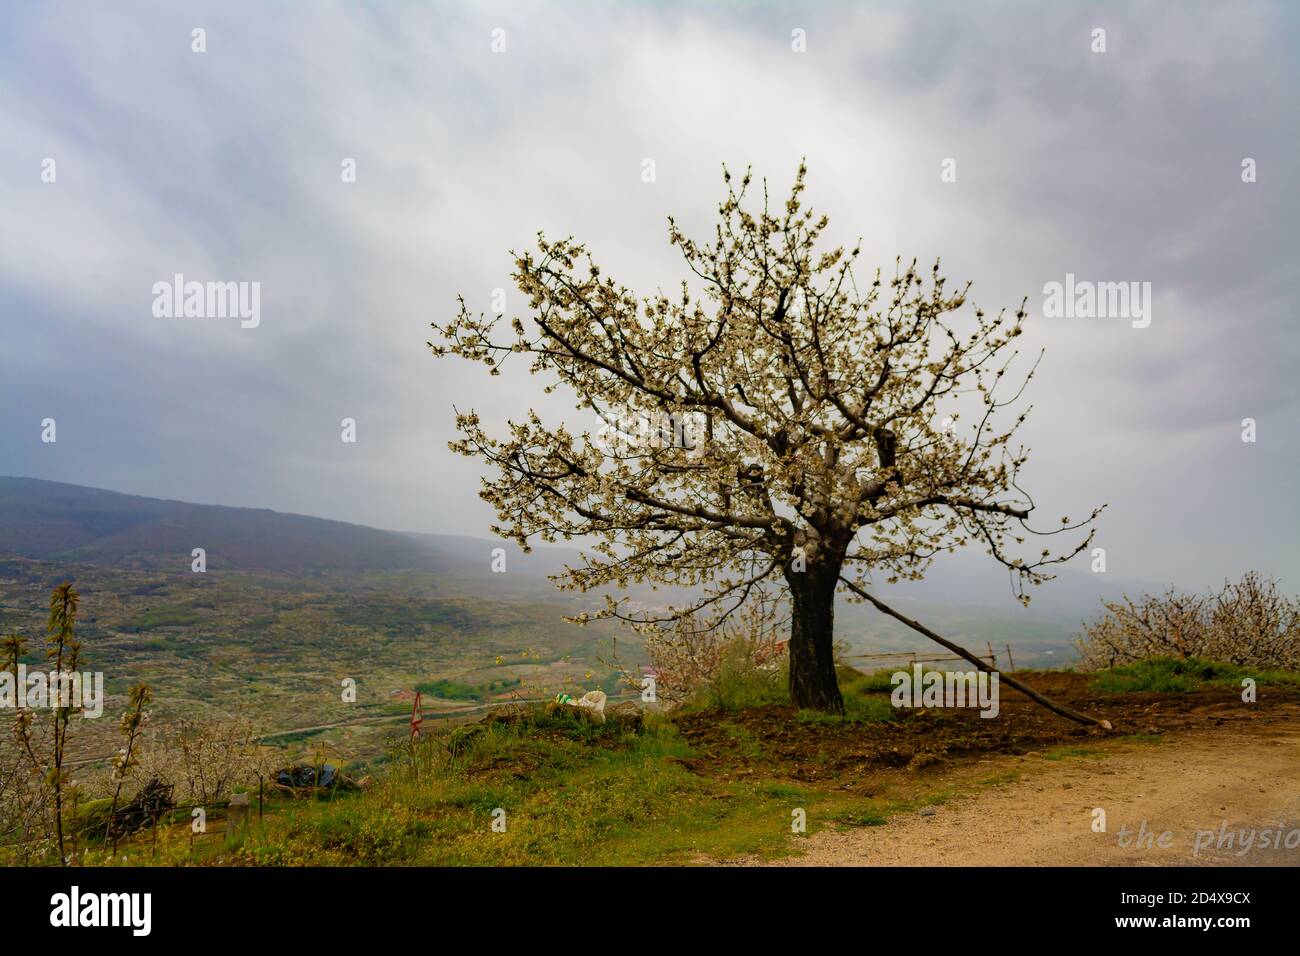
(1217, 794)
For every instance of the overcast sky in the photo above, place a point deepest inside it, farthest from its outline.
(226, 165)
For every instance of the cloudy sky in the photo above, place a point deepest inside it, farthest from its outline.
(226, 165)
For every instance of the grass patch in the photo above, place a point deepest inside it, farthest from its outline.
(1062, 753)
(571, 792)
(857, 710)
(172, 616)
(864, 818)
(1144, 738)
(1173, 675)
(456, 690)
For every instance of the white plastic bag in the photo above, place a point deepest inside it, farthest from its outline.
(594, 701)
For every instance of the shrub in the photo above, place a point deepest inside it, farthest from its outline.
(743, 678)
(207, 760)
(1248, 623)
(694, 651)
(1179, 675)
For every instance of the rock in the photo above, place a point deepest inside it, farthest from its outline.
(460, 740)
(508, 714)
(627, 717)
(303, 776)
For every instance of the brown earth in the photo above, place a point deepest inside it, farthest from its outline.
(1021, 788)
(1221, 797)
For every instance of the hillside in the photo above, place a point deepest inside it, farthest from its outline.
(51, 521)
(74, 525)
(60, 526)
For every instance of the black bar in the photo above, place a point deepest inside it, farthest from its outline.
(924, 905)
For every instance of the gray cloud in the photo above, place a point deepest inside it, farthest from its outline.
(225, 165)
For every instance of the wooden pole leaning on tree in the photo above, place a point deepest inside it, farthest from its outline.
(958, 649)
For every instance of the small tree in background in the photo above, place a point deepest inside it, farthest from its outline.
(37, 784)
(132, 726)
(787, 426)
(688, 656)
(1248, 623)
(64, 653)
(207, 759)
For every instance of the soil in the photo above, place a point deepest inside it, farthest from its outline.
(1223, 797)
(1180, 763)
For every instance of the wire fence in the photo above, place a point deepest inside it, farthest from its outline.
(884, 660)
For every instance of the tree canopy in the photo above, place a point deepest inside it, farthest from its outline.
(788, 429)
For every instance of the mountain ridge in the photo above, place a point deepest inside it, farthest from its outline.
(59, 521)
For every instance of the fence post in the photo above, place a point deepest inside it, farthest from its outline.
(259, 796)
(1011, 660)
(236, 813)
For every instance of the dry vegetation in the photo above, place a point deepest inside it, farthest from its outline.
(1247, 624)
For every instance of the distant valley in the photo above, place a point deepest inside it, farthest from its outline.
(290, 605)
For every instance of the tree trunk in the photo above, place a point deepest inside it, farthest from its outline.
(812, 633)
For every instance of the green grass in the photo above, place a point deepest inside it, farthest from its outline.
(857, 710)
(1061, 753)
(866, 699)
(1145, 738)
(746, 743)
(456, 690)
(572, 794)
(576, 793)
(738, 685)
(1172, 675)
(864, 818)
(174, 616)
(854, 683)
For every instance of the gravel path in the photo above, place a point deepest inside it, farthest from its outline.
(1202, 787)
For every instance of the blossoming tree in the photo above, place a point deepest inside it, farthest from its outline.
(796, 442)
